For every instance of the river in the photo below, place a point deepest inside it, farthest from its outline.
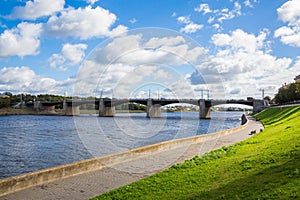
(31, 142)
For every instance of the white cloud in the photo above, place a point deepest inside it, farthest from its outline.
(289, 13)
(165, 50)
(84, 23)
(210, 20)
(218, 16)
(216, 26)
(249, 3)
(191, 28)
(20, 41)
(227, 14)
(240, 40)
(156, 42)
(57, 61)
(288, 35)
(91, 1)
(133, 21)
(132, 50)
(131, 61)
(23, 79)
(74, 52)
(244, 59)
(183, 19)
(38, 8)
(203, 8)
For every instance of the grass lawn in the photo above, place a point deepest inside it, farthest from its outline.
(266, 166)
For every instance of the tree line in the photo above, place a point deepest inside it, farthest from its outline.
(8, 99)
(288, 93)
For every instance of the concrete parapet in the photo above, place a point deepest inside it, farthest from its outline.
(16, 183)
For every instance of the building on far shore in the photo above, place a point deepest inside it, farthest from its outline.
(297, 79)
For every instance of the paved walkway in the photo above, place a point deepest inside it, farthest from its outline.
(90, 184)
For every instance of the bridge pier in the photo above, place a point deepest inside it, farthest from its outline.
(70, 110)
(153, 111)
(204, 110)
(38, 106)
(106, 111)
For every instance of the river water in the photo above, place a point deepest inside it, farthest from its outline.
(30, 143)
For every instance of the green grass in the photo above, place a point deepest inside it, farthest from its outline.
(266, 166)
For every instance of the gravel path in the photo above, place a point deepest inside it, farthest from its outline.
(90, 184)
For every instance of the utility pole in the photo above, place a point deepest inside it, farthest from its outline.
(263, 94)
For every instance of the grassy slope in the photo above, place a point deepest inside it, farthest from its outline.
(266, 166)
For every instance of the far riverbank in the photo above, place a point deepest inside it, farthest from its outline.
(16, 111)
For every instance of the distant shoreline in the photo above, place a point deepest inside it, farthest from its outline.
(16, 111)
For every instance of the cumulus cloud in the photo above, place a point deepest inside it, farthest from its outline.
(189, 27)
(72, 54)
(135, 49)
(91, 1)
(133, 60)
(226, 14)
(84, 23)
(23, 79)
(156, 42)
(243, 58)
(204, 8)
(37, 8)
(241, 40)
(218, 16)
(57, 61)
(183, 19)
(20, 41)
(289, 13)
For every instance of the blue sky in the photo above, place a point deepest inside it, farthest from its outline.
(234, 48)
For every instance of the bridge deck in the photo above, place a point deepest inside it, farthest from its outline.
(163, 102)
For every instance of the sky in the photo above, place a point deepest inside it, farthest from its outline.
(136, 48)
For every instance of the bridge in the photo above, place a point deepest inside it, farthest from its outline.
(107, 107)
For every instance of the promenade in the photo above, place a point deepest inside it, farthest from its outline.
(90, 184)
